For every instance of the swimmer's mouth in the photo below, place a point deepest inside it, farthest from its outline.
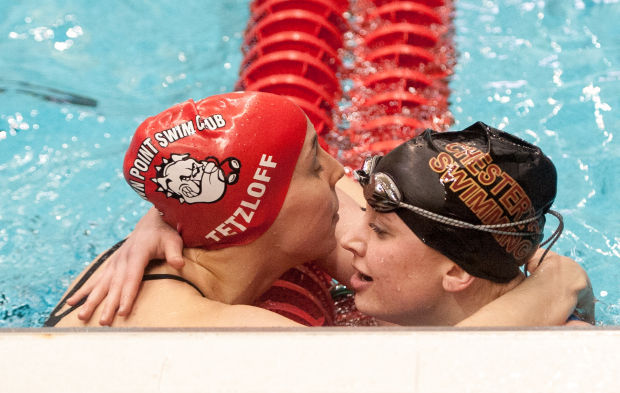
(365, 277)
(361, 276)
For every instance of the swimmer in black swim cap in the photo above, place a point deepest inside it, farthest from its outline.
(476, 202)
(466, 191)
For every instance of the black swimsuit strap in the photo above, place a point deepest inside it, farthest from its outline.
(150, 277)
(54, 318)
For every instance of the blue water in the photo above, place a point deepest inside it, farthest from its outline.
(546, 71)
(549, 71)
(63, 197)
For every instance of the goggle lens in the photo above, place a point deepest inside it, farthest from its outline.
(379, 189)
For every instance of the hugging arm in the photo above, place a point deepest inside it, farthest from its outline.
(116, 287)
(121, 276)
(553, 291)
(556, 289)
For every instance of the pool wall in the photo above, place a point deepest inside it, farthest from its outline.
(314, 360)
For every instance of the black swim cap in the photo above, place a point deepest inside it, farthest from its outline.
(480, 175)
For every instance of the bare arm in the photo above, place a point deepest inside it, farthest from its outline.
(120, 279)
(182, 307)
(116, 285)
(547, 297)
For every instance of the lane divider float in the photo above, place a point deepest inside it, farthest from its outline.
(369, 74)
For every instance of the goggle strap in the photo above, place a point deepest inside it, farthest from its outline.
(363, 177)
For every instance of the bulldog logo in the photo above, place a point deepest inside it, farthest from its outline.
(191, 181)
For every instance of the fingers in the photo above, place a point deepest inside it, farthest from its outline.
(116, 285)
(125, 283)
(81, 293)
(173, 251)
(110, 306)
(130, 289)
(93, 300)
(101, 287)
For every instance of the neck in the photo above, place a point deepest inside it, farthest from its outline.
(463, 304)
(233, 275)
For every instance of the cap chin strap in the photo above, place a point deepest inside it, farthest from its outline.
(490, 228)
(554, 236)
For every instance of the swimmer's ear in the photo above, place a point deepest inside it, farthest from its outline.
(455, 279)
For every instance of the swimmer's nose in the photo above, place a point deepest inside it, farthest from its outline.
(355, 237)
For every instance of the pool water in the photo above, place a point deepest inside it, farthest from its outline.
(549, 71)
(76, 82)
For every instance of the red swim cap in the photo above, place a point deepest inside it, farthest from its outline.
(218, 169)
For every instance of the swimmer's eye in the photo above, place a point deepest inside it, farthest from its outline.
(377, 230)
(317, 166)
(362, 208)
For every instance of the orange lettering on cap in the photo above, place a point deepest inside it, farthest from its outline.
(441, 162)
(515, 200)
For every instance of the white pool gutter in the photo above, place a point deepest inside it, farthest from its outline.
(342, 360)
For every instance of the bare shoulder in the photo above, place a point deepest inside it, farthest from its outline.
(183, 307)
(209, 313)
(251, 316)
(170, 303)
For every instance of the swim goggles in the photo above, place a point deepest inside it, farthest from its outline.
(383, 195)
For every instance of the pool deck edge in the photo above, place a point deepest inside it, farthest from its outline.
(311, 360)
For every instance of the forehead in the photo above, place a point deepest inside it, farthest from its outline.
(390, 220)
(308, 150)
(310, 136)
(307, 154)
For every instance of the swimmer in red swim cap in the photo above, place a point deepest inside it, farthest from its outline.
(218, 169)
(235, 174)
(401, 279)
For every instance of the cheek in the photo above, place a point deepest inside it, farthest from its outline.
(387, 261)
(317, 203)
(399, 273)
(309, 218)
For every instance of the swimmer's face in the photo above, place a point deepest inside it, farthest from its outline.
(304, 228)
(398, 278)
